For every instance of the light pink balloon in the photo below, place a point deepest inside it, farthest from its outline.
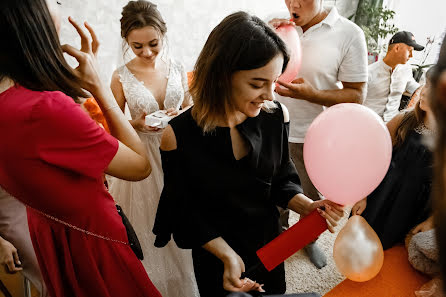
(289, 35)
(347, 152)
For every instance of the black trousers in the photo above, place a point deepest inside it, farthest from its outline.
(209, 274)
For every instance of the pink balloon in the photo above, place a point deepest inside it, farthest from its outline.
(347, 152)
(289, 35)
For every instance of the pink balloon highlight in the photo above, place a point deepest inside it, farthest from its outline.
(289, 35)
(347, 152)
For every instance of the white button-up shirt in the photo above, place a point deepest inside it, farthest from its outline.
(333, 51)
(385, 88)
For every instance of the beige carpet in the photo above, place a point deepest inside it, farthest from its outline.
(302, 276)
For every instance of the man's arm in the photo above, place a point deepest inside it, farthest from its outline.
(412, 87)
(353, 92)
(352, 73)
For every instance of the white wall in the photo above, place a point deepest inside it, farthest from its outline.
(423, 18)
(189, 23)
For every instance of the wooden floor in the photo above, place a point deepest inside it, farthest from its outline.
(14, 284)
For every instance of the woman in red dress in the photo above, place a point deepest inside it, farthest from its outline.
(52, 157)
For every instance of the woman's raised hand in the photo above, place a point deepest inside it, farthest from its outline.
(87, 71)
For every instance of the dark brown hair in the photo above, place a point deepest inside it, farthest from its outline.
(412, 118)
(30, 53)
(239, 42)
(438, 104)
(139, 14)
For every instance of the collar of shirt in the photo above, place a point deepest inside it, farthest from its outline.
(332, 17)
(330, 20)
(385, 66)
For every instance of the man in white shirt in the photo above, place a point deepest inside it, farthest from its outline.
(391, 77)
(333, 70)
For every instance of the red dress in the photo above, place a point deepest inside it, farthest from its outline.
(52, 157)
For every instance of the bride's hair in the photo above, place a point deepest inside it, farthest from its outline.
(139, 14)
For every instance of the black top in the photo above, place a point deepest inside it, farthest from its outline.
(402, 200)
(208, 193)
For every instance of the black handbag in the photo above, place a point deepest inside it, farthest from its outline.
(131, 234)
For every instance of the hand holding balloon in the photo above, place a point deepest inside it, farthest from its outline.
(357, 251)
(359, 207)
(330, 211)
(277, 22)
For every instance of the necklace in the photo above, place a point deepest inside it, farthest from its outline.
(423, 130)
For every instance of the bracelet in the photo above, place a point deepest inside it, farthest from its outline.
(111, 107)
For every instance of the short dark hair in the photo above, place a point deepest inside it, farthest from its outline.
(30, 53)
(240, 42)
(139, 14)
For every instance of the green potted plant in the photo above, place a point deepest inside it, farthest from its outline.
(418, 69)
(376, 22)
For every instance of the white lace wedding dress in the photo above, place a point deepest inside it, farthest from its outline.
(169, 268)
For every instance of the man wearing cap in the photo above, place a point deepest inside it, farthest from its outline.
(390, 78)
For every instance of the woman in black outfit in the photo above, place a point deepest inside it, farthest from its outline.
(402, 201)
(232, 147)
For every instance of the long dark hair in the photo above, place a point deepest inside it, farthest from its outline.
(240, 42)
(412, 118)
(30, 53)
(438, 104)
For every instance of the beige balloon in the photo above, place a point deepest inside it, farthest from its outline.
(357, 251)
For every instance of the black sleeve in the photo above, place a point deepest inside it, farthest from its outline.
(286, 182)
(177, 213)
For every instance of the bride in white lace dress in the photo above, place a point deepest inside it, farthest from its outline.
(149, 83)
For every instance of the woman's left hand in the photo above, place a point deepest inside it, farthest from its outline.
(330, 211)
(172, 112)
(424, 226)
